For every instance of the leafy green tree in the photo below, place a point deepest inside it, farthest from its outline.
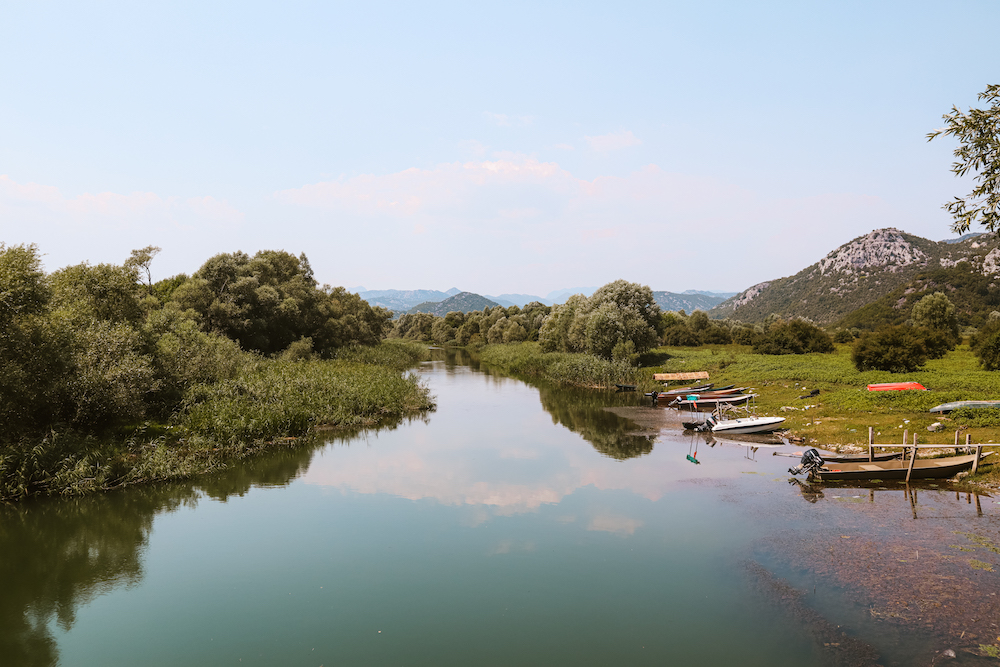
(937, 313)
(793, 337)
(978, 133)
(896, 349)
(268, 301)
(617, 312)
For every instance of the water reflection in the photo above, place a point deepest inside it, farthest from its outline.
(583, 412)
(57, 555)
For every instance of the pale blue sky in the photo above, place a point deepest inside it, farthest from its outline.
(506, 147)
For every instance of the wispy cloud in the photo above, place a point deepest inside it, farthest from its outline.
(505, 120)
(103, 226)
(537, 223)
(613, 141)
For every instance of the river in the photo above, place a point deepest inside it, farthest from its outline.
(513, 525)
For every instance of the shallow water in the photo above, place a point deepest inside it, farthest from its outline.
(514, 524)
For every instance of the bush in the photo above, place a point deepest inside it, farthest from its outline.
(897, 349)
(793, 337)
(843, 336)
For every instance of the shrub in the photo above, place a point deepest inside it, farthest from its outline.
(793, 337)
(897, 349)
(843, 336)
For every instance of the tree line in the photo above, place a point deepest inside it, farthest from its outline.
(94, 347)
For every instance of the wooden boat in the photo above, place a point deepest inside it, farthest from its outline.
(709, 404)
(948, 466)
(897, 386)
(945, 408)
(715, 393)
(861, 458)
(849, 458)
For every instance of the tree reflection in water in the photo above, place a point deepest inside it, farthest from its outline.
(582, 411)
(56, 554)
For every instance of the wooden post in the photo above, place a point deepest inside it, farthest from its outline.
(956, 442)
(913, 457)
(871, 444)
(975, 464)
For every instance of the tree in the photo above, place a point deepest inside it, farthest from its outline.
(793, 337)
(896, 349)
(978, 133)
(936, 312)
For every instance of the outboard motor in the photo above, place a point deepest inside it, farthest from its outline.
(811, 460)
(707, 425)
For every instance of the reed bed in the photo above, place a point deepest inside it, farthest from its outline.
(580, 370)
(269, 404)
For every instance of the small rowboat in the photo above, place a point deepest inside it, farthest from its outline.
(709, 404)
(715, 393)
(945, 408)
(897, 386)
(948, 466)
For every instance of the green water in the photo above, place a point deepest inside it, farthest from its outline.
(511, 526)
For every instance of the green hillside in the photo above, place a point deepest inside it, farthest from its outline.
(974, 294)
(463, 302)
(858, 273)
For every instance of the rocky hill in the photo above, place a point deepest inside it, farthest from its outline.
(400, 301)
(464, 302)
(688, 302)
(856, 274)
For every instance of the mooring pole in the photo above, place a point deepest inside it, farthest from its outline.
(913, 457)
(956, 442)
(975, 464)
(871, 444)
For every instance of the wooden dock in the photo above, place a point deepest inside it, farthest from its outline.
(911, 449)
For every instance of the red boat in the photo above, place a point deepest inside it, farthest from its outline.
(897, 386)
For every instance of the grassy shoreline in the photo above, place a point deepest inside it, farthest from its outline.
(271, 404)
(837, 418)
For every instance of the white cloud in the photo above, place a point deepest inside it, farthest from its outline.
(104, 226)
(528, 225)
(613, 141)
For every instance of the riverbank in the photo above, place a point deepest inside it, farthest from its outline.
(270, 404)
(837, 417)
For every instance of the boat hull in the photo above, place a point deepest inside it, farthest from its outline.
(897, 386)
(894, 470)
(945, 408)
(748, 425)
(709, 404)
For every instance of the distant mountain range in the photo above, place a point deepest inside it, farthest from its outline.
(422, 300)
(859, 273)
(688, 301)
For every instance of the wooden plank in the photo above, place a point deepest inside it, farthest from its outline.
(699, 375)
(913, 457)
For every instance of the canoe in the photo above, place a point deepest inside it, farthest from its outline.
(948, 466)
(897, 386)
(709, 404)
(945, 408)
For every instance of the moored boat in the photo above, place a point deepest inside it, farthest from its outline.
(897, 386)
(709, 404)
(818, 468)
(945, 408)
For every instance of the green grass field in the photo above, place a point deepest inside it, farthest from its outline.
(844, 409)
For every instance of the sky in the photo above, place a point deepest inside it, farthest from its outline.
(505, 147)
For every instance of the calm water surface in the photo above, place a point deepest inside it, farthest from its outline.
(513, 525)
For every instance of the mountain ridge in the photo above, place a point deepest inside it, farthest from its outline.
(855, 274)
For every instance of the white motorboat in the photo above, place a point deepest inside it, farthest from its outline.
(746, 425)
